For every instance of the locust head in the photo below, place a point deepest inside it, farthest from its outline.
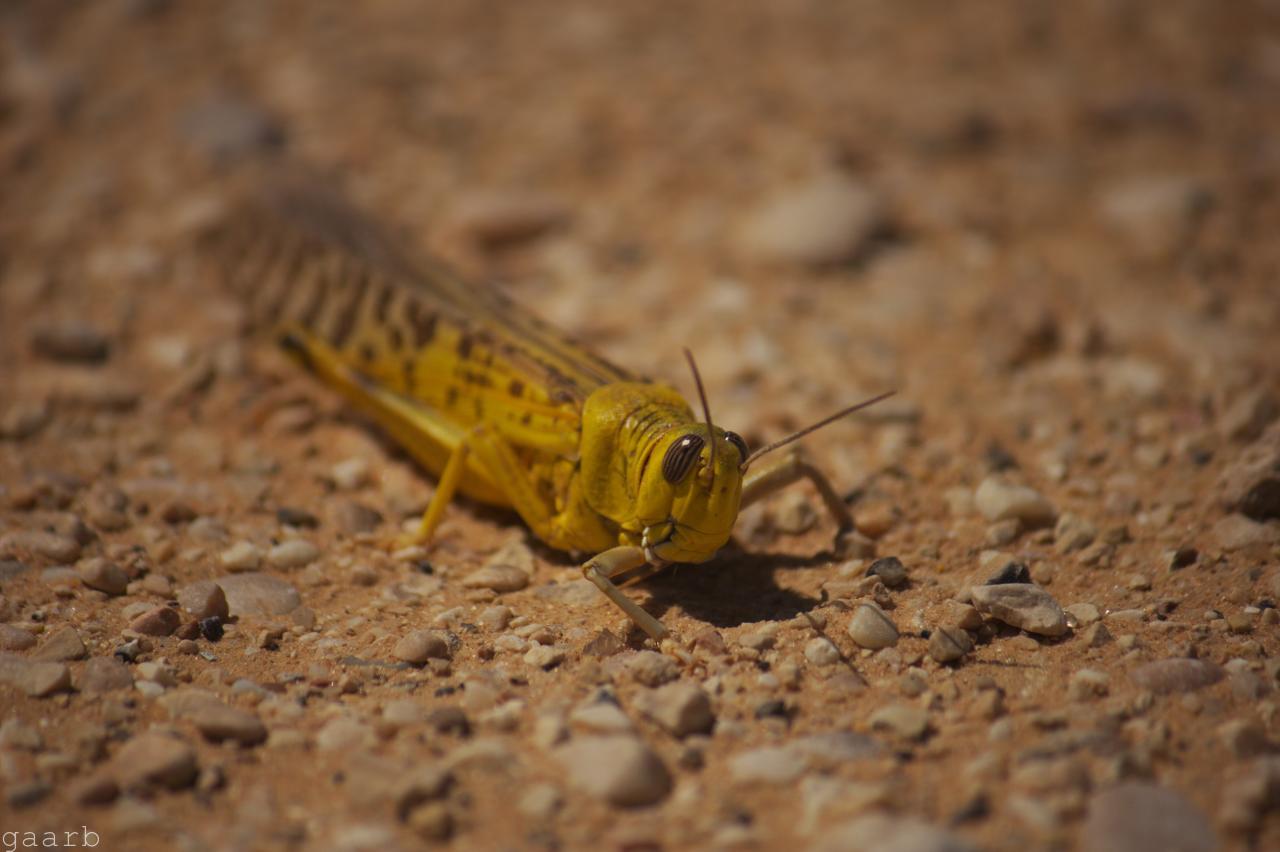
(701, 471)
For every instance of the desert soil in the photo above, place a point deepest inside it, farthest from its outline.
(1051, 227)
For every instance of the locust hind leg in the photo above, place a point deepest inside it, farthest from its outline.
(790, 468)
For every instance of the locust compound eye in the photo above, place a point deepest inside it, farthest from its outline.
(681, 457)
(736, 439)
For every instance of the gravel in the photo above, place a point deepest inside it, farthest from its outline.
(104, 576)
(681, 708)
(204, 599)
(155, 760)
(825, 220)
(258, 594)
(294, 553)
(1165, 677)
(999, 500)
(421, 645)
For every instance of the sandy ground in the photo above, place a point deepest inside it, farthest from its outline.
(1051, 227)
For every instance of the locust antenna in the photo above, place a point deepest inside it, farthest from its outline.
(795, 436)
(706, 409)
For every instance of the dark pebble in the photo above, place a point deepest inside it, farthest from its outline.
(450, 720)
(774, 708)
(211, 628)
(890, 570)
(71, 341)
(297, 517)
(1014, 572)
(129, 651)
(1182, 557)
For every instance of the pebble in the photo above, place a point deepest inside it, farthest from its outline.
(903, 720)
(821, 651)
(1136, 816)
(157, 621)
(15, 638)
(621, 770)
(350, 474)
(104, 576)
(258, 594)
(681, 708)
(545, 656)
(1249, 414)
(293, 517)
(241, 556)
(1086, 684)
(96, 789)
(497, 577)
(154, 759)
(71, 341)
(1084, 613)
(103, 674)
(948, 644)
(828, 219)
(204, 599)
(294, 553)
(353, 518)
(1235, 532)
(62, 645)
(1250, 485)
(344, 734)
(495, 618)
(215, 720)
(601, 717)
(421, 645)
(495, 219)
(1012, 572)
(890, 570)
(885, 833)
(651, 668)
(1245, 738)
(51, 546)
(1072, 533)
(1022, 605)
(998, 500)
(871, 628)
(16, 734)
(1154, 213)
(450, 720)
(768, 765)
(1165, 677)
(540, 802)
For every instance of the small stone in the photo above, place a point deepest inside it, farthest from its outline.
(204, 599)
(1072, 533)
(1164, 677)
(962, 615)
(1012, 572)
(761, 639)
(682, 708)
(497, 218)
(15, 638)
(545, 656)
(294, 553)
(1084, 613)
(1137, 816)
(432, 822)
(16, 734)
(295, 517)
(1245, 738)
(344, 734)
(50, 546)
(495, 618)
(500, 578)
(621, 770)
(218, 722)
(604, 644)
(1087, 684)
(155, 760)
(1251, 484)
(177, 512)
(1236, 532)
(948, 644)
(1155, 213)
(871, 628)
(62, 645)
(794, 514)
(22, 420)
(210, 628)
(1249, 414)
(350, 474)
(890, 570)
(241, 556)
(104, 674)
(24, 794)
(99, 788)
(768, 765)
(828, 219)
(71, 341)
(1002, 533)
(258, 594)
(821, 651)
(601, 717)
(353, 518)
(998, 499)
(540, 802)
(450, 720)
(889, 834)
(157, 621)
(421, 645)
(903, 720)
(651, 668)
(1022, 605)
(104, 576)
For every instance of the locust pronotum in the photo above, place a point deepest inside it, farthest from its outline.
(499, 406)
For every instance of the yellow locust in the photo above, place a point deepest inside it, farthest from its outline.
(499, 406)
